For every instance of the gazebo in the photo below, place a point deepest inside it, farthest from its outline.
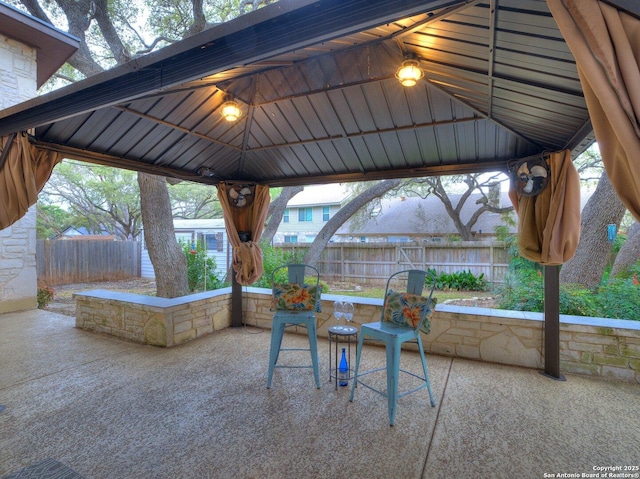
(317, 94)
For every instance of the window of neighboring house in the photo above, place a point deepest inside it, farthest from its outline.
(305, 214)
(213, 241)
(398, 239)
(290, 238)
(325, 213)
(285, 217)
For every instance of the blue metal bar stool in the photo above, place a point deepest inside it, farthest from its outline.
(404, 315)
(295, 301)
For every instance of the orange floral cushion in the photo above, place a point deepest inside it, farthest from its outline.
(293, 297)
(406, 309)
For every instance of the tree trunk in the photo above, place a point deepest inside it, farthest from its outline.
(276, 212)
(347, 211)
(629, 254)
(591, 258)
(166, 255)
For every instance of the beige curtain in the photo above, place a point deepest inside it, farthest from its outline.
(23, 174)
(247, 256)
(549, 223)
(606, 45)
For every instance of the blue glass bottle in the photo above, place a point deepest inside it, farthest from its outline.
(343, 370)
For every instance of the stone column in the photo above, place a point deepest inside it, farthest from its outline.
(18, 279)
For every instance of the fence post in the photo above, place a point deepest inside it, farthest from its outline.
(48, 263)
(492, 263)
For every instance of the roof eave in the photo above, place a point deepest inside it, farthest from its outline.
(53, 46)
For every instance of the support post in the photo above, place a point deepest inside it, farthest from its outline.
(236, 302)
(552, 323)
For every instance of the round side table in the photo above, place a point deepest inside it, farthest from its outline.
(340, 335)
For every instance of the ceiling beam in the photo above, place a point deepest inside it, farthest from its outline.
(117, 162)
(578, 139)
(247, 130)
(493, 18)
(447, 12)
(175, 127)
(436, 170)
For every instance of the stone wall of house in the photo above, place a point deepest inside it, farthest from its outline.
(18, 280)
(18, 72)
(604, 348)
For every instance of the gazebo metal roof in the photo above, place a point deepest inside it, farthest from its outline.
(320, 101)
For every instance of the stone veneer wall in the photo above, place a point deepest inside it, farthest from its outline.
(590, 346)
(152, 320)
(18, 279)
(604, 348)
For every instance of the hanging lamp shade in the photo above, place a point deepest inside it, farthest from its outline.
(231, 110)
(409, 72)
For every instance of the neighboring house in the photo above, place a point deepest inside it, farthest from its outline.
(82, 233)
(211, 232)
(405, 219)
(309, 211)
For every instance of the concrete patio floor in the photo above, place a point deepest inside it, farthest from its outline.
(112, 409)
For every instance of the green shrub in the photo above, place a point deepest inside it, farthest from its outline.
(44, 295)
(201, 269)
(619, 299)
(578, 301)
(274, 257)
(522, 290)
(458, 281)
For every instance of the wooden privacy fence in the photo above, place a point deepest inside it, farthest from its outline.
(373, 263)
(79, 261)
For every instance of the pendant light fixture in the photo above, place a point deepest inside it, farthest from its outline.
(231, 110)
(409, 72)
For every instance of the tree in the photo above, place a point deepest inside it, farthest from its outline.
(51, 220)
(194, 201)
(591, 258)
(376, 191)
(488, 187)
(107, 199)
(629, 253)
